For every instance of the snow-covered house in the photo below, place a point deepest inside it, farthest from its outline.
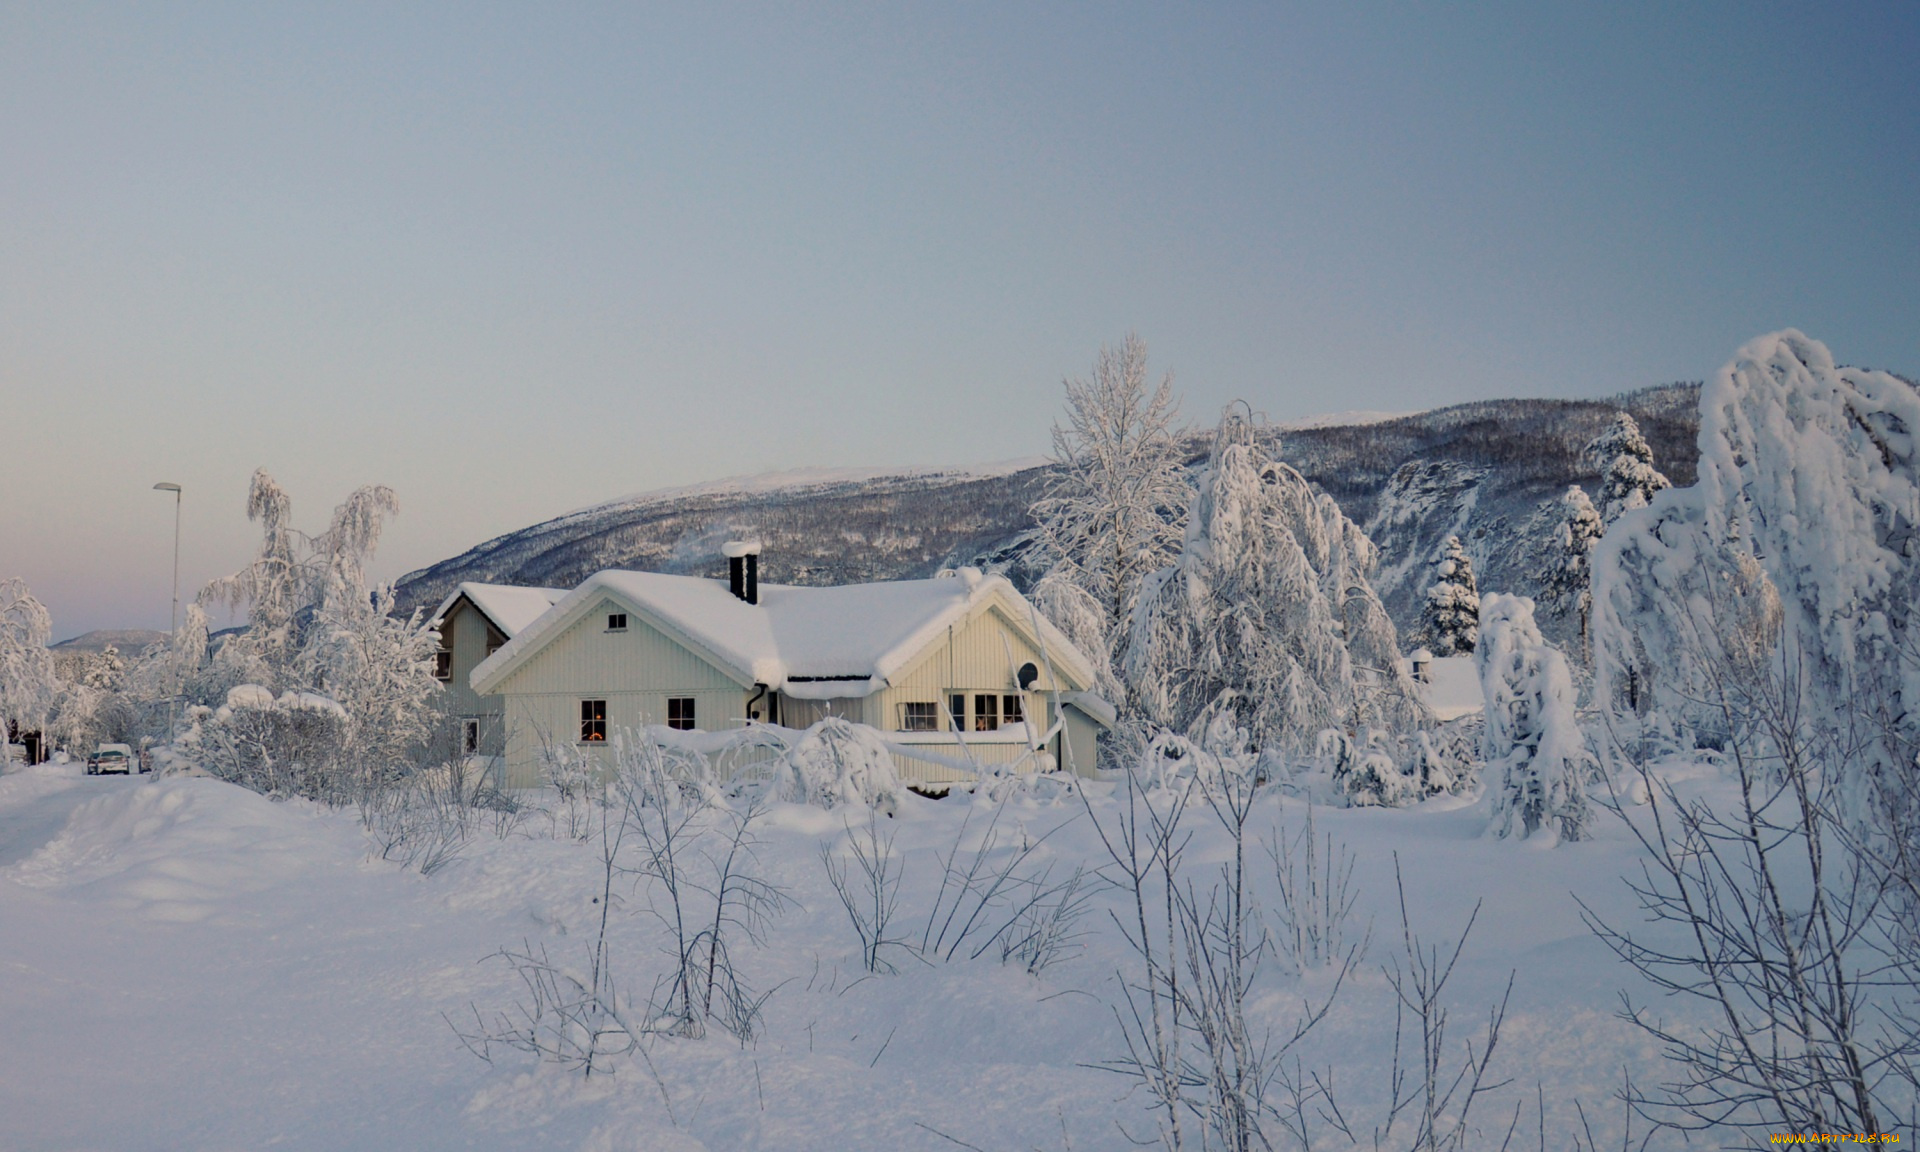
(960, 667)
(475, 621)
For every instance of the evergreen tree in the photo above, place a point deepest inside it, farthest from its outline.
(1532, 744)
(1628, 479)
(1453, 604)
(1568, 579)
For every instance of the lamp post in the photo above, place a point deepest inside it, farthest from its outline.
(173, 617)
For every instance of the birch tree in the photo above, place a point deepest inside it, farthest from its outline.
(1112, 513)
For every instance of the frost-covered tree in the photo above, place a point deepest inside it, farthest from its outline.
(1536, 758)
(314, 627)
(1566, 584)
(1799, 538)
(1267, 611)
(1628, 479)
(1111, 514)
(28, 686)
(1453, 603)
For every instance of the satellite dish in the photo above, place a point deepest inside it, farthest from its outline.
(1028, 674)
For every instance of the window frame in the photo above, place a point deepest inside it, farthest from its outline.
(616, 621)
(1013, 709)
(689, 709)
(920, 716)
(593, 721)
(443, 665)
(986, 712)
(470, 735)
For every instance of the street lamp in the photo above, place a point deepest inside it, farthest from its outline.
(173, 617)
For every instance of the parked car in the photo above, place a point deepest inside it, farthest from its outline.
(112, 758)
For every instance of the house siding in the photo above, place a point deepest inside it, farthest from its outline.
(634, 671)
(466, 633)
(637, 670)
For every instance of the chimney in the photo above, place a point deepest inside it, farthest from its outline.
(743, 569)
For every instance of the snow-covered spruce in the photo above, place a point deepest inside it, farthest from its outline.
(1453, 603)
(1536, 758)
(1267, 611)
(1566, 585)
(1628, 479)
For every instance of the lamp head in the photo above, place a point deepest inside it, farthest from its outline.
(163, 486)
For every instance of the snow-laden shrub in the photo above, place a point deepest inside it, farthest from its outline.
(1534, 751)
(1367, 771)
(294, 744)
(838, 762)
(1446, 759)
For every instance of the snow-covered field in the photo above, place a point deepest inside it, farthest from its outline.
(185, 964)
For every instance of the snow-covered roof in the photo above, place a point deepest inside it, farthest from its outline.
(807, 642)
(509, 606)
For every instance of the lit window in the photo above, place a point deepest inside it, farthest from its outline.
(593, 721)
(986, 713)
(680, 713)
(443, 665)
(1012, 711)
(616, 621)
(920, 717)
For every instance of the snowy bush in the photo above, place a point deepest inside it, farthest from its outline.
(291, 745)
(1535, 755)
(1267, 611)
(1367, 773)
(838, 762)
(1453, 603)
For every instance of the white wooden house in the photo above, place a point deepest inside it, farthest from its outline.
(960, 667)
(475, 621)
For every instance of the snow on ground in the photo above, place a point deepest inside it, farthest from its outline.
(184, 964)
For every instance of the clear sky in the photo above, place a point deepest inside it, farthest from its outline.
(513, 260)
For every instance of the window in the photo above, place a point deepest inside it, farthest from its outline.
(986, 712)
(616, 621)
(1012, 710)
(470, 736)
(593, 721)
(957, 711)
(917, 716)
(680, 713)
(443, 665)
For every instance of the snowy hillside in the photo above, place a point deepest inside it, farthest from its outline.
(1479, 471)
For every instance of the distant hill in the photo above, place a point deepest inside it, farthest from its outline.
(130, 641)
(1481, 471)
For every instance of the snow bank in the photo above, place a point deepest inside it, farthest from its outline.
(180, 849)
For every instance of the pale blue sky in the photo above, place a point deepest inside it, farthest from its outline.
(515, 260)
